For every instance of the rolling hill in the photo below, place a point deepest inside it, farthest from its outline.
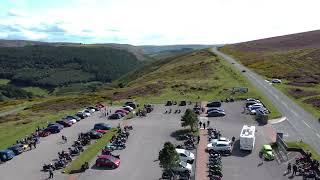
(294, 58)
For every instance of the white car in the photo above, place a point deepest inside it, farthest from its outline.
(219, 146)
(255, 106)
(253, 100)
(73, 121)
(86, 112)
(185, 155)
(183, 167)
(214, 141)
(276, 81)
(129, 107)
(91, 110)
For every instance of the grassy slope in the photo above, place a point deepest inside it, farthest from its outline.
(290, 65)
(186, 77)
(4, 81)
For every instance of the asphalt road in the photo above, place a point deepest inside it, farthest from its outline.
(303, 122)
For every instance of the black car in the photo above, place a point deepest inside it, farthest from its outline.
(115, 116)
(214, 104)
(64, 123)
(17, 149)
(102, 126)
(183, 103)
(216, 114)
(73, 117)
(80, 115)
(54, 129)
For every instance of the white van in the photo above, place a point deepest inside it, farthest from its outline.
(247, 137)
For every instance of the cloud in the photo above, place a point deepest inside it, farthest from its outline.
(9, 28)
(15, 13)
(47, 28)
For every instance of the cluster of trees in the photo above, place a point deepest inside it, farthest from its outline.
(190, 119)
(13, 92)
(51, 66)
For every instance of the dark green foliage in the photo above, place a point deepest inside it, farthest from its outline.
(10, 91)
(190, 119)
(168, 156)
(50, 66)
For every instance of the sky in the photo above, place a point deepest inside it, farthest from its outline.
(155, 22)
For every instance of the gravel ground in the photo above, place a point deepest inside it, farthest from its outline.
(244, 165)
(29, 164)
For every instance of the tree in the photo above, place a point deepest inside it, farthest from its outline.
(190, 119)
(168, 156)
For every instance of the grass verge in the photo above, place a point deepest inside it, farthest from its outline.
(305, 147)
(90, 152)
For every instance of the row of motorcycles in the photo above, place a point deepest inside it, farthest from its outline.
(118, 142)
(307, 167)
(214, 164)
(65, 157)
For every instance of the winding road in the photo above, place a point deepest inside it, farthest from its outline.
(306, 125)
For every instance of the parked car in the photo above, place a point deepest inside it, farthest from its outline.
(219, 146)
(44, 133)
(81, 115)
(101, 131)
(102, 126)
(185, 155)
(54, 128)
(214, 141)
(17, 149)
(121, 114)
(73, 117)
(276, 81)
(183, 167)
(169, 103)
(122, 111)
(64, 123)
(131, 104)
(267, 152)
(183, 103)
(94, 108)
(214, 104)
(216, 114)
(94, 134)
(6, 155)
(214, 109)
(107, 161)
(87, 112)
(115, 116)
(55, 124)
(128, 108)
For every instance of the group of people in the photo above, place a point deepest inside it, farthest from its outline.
(303, 164)
(31, 140)
(203, 124)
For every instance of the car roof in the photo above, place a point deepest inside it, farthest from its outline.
(267, 147)
(222, 142)
(180, 150)
(5, 151)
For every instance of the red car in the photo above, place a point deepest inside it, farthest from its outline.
(107, 161)
(101, 131)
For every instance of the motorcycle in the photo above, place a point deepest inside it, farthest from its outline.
(47, 167)
(59, 164)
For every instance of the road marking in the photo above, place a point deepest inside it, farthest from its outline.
(294, 112)
(306, 124)
(318, 135)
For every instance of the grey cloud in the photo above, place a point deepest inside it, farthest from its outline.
(47, 28)
(10, 28)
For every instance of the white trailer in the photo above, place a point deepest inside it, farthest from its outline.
(247, 137)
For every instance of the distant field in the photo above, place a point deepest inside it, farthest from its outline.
(197, 76)
(36, 91)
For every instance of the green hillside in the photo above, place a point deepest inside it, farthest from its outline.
(53, 66)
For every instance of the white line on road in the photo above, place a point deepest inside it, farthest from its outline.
(306, 124)
(318, 135)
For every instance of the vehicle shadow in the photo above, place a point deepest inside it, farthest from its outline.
(177, 134)
(236, 151)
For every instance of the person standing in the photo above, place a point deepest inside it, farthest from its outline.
(289, 168)
(294, 170)
(204, 125)
(208, 123)
(50, 173)
(198, 139)
(200, 123)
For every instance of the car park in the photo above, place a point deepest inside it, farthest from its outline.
(17, 149)
(266, 152)
(183, 167)
(6, 155)
(219, 146)
(108, 161)
(214, 104)
(185, 155)
(102, 126)
(115, 116)
(215, 113)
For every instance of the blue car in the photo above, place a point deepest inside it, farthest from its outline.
(6, 155)
(102, 126)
